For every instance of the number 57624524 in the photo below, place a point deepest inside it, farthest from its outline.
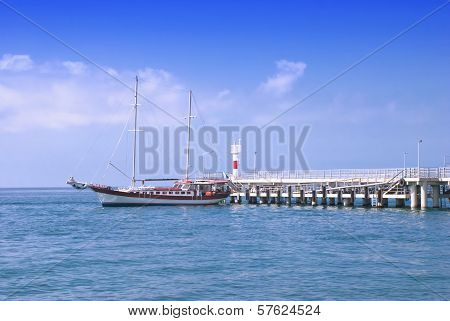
(296, 309)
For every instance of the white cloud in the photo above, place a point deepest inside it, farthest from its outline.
(112, 71)
(50, 97)
(160, 85)
(72, 94)
(65, 94)
(16, 62)
(284, 79)
(223, 93)
(75, 67)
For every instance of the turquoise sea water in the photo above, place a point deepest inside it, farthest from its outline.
(59, 244)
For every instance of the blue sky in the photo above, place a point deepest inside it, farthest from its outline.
(246, 61)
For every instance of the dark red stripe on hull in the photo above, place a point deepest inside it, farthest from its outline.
(144, 195)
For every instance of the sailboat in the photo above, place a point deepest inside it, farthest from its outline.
(184, 191)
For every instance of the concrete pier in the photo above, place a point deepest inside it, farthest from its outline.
(366, 199)
(289, 196)
(413, 195)
(339, 198)
(314, 198)
(378, 188)
(436, 196)
(323, 201)
(380, 198)
(301, 198)
(423, 194)
(263, 199)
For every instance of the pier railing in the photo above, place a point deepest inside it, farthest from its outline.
(341, 174)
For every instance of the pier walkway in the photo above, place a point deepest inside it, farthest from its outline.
(375, 187)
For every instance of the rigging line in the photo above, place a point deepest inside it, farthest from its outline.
(201, 155)
(114, 150)
(119, 170)
(201, 117)
(204, 124)
(82, 158)
(117, 144)
(83, 56)
(198, 110)
(212, 143)
(97, 138)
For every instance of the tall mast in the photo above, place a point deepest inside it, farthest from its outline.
(133, 180)
(189, 134)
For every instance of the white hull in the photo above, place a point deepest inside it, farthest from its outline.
(117, 200)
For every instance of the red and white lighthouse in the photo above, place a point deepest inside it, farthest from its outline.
(235, 151)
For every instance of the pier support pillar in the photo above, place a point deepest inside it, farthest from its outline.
(366, 199)
(399, 202)
(314, 198)
(268, 198)
(423, 194)
(278, 197)
(339, 198)
(263, 199)
(324, 196)
(436, 195)
(380, 202)
(289, 192)
(413, 195)
(247, 194)
(301, 199)
(273, 200)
